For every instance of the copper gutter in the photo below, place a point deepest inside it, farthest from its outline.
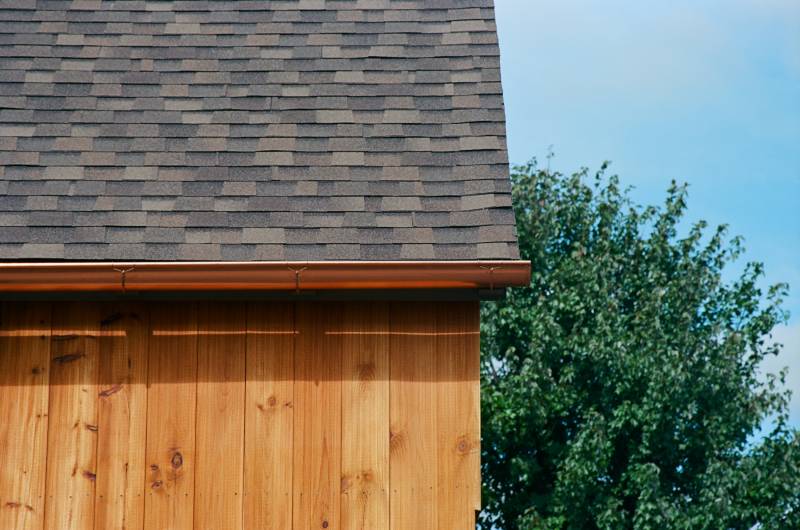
(260, 276)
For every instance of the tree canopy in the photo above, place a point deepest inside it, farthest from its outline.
(622, 389)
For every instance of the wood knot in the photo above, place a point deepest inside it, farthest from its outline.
(396, 441)
(272, 401)
(89, 427)
(345, 484)
(110, 391)
(463, 446)
(36, 370)
(156, 484)
(324, 524)
(89, 475)
(153, 467)
(176, 461)
(70, 357)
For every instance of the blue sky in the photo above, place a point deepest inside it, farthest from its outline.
(701, 91)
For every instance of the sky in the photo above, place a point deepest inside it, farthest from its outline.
(701, 91)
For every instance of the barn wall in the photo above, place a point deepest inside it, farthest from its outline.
(239, 415)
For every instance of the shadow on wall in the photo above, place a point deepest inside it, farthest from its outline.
(112, 344)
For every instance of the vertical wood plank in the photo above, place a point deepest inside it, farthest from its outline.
(72, 429)
(220, 415)
(24, 374)
(122, 410)
(172, 390)
(458, 450)
(473, 363)
(269, 409)
(365, 416)
(474, 378)
(413, 416)
(317, 423)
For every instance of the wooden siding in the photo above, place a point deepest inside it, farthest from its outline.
(268, 415)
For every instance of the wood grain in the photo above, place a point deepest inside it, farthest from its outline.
(413, 416)
(268, 415)
(172, 382)
(269, 410)
(122, 416)
(473, 384)
(365, 416)
(72, 426)
(24, 374)
(220, 415)
(458, 424)
(317, 417)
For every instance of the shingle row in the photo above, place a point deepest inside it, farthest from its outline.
(247, 252)
(256, 173)
(473, 14)
(246, 5)
(200, 203)
(429, 190)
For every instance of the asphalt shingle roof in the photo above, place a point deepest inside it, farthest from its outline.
(258, 130)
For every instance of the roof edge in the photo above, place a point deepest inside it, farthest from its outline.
(296, 276)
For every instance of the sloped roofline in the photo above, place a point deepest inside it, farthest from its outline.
(44, 277)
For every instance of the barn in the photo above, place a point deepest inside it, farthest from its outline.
(242, 250)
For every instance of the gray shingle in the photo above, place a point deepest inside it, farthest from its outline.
(252, 131)
(263, 235)
(41, 251)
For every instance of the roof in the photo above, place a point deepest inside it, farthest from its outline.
(237, 131)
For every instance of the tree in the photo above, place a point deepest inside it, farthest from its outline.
(622, 389)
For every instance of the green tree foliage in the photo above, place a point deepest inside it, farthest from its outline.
(622, 388)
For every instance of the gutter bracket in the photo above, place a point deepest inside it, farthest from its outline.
(297, 278)
(491, 274)
(123, 272)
